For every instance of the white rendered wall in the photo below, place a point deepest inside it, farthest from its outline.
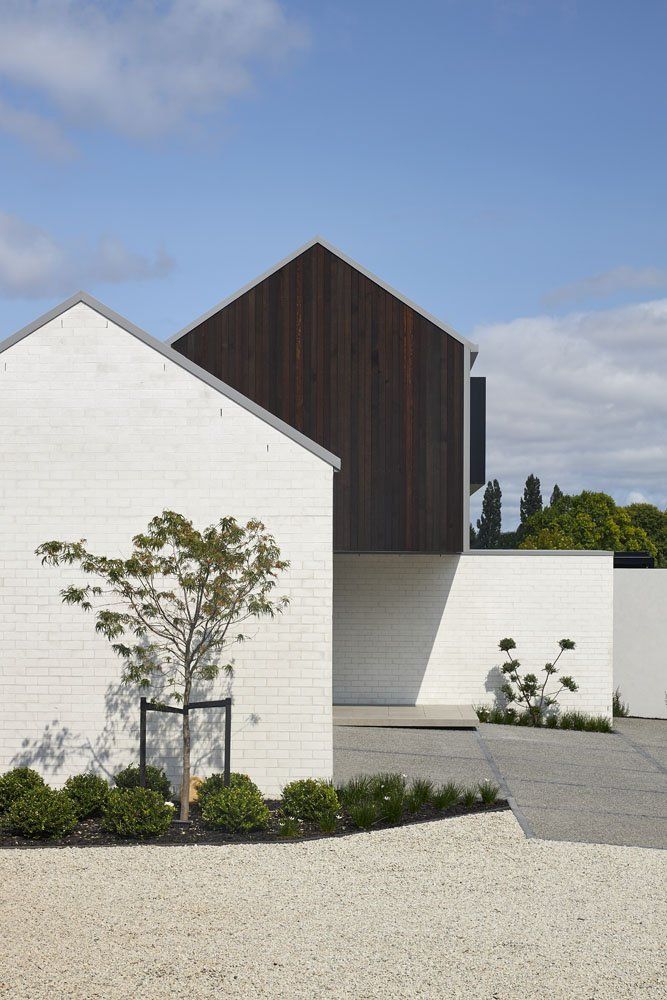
(640, 640)
(425, 629)
(98, 433)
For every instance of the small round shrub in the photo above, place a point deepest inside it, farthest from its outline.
(136, 812)
(310, 799)
(88, 792)
(156, 779)
(42, 812)
(216, 782)
(236, 810)
(16, 783)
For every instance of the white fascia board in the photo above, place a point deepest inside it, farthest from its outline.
(171, 355)
(348, 260)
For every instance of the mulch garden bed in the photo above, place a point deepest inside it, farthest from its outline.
(89, 832)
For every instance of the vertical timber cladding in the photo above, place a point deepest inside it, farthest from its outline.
(332, 353)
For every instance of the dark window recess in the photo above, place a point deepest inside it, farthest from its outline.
(633, 560)
(477, 432)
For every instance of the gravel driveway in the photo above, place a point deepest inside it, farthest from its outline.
(464, 908)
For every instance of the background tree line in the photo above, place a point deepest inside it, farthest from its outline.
(584, 520)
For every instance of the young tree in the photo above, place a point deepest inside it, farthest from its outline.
(488, 525)
(526, 690)
(531, 501)
(556, 495)
(177, 602)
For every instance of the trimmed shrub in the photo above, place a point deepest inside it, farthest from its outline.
(42, 812)
(156, 779)
(216, 783)
(237, 810)
(136, 812)
(310, 799)
(16, 783)
(88, 792)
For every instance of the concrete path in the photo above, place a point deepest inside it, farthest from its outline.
(589, 787)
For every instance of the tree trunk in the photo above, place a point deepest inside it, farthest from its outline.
(185, 779)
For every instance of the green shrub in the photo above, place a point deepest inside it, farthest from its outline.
(310, 799)
(488, 792)
(42, 812)
(156, 779)
(16, 783)
(469, 797)
(621, 709)
(88, 792)
(237, 809)
(447, 796)
(136, 812)
(355, 791)
(216, 782)
(363, 813)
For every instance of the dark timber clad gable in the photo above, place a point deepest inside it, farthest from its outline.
(345, 362)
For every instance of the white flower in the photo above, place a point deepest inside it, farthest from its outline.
(170, 804)
(386, 798)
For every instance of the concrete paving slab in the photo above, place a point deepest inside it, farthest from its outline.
(592, 787)
(426, 716)
(598, 828)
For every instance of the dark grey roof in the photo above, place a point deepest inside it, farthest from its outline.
(168, 352)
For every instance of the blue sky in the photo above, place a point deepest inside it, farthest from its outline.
(492, 159)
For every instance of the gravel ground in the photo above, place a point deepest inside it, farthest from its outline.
(456, 908)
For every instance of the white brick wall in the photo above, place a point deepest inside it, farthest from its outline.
(421, 628)
(98, 432)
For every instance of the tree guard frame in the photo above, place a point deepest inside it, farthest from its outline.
(146, 706)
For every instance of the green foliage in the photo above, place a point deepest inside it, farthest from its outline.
(289, 827)
(586, 723)
(391, 806)
(328, 822)
(237, 810)
(527, 691)
(489, 524)
(310, 799)
(386, 783)
(556, 495)
(419, 794)
(585, 521)
(42, 812)
(496, 715)
(489, 792)
(620, 708)
(531, 501)
(137, 813)
(156, 779)
(447, 796)
(355, 790)
(179, 600)
(216, 782)
(363, 813)
(88, 792)
(16, 783)
(469, 797)
(653, 522)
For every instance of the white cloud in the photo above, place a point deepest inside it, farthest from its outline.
(33, 263)
(143, 68)
(608, 283)
(580, 400)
